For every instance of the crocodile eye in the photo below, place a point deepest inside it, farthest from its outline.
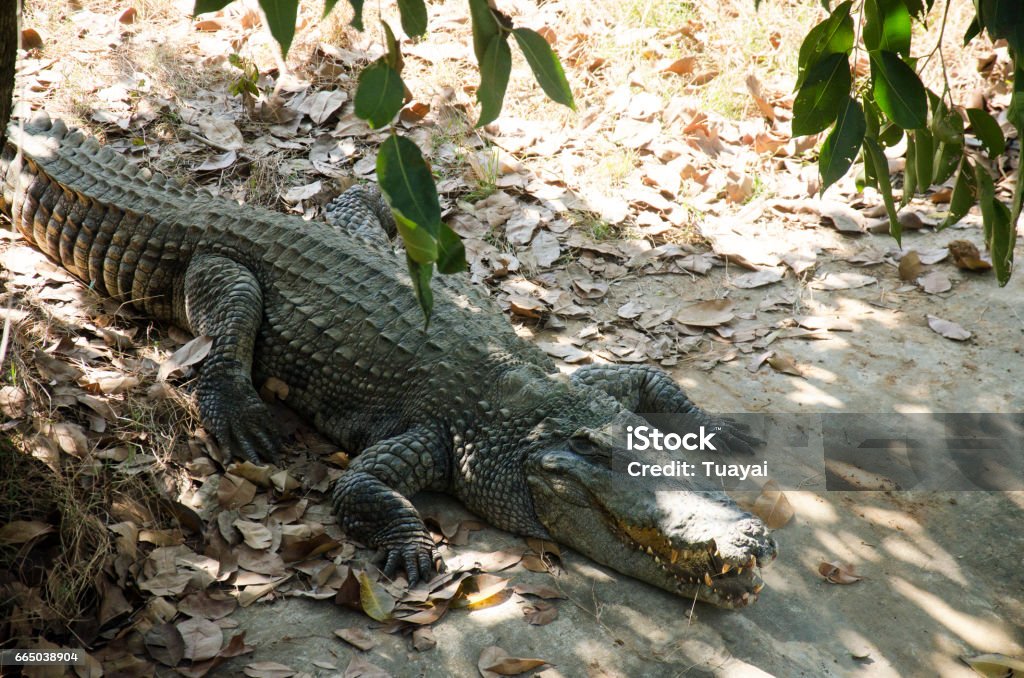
(587, 447)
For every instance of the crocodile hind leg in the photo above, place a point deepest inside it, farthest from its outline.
(647, 389)
(362, 211)
(371, 500)
(223, 300)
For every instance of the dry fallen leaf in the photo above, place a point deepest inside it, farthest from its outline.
(12, 402)
(375, 600)
(785, 364)
(478, 588)
(165, 644)
(540, 613)
(359, 638)
(910, 266)
(966, 256)
(221, 132)
(202, 639)
(268, 670)
(218, 162)
(494, 661)
(423, 639)
(256, 535)
(996, 665)
(948, 329)
(22, 531)
(765, 276)
(539, 590)
(706, 313)
(935, 282)
(234, 492)
(836, 573)
(842, 281)
(759, 359)
(189, 354)
(772, 506)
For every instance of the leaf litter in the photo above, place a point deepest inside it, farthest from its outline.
(579, 243)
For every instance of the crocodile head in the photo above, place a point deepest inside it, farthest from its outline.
(695, 544)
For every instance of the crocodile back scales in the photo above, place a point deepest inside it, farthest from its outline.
(341, 324)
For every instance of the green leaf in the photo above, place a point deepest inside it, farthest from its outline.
(947, 158)
(420, 275)
(281, 20)
(880, 165)
(924, 158)
(379, 95)
(419, 243)
(393, 57)
(888, 26)
(987, 130)
(898, 91)
(986, 196)
(451, 254)
(973, 30)
(494, 72)
(834, 35)
(822, 96)
(910, 181)
(1003, 19)
(842, 145)
(999, 232)
(890, 135)
(485, 28)
(408, 185)
(946, 125)
(414, 17)
(964, 190)
(545, 66)
(1015, 111)
(204, 6)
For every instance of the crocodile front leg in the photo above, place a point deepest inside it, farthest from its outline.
(643, 388)
(223, 300)
(370, 499)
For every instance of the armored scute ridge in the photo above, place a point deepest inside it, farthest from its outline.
(466, 407)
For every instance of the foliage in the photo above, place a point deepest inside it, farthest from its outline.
(403, 173)
(869, 114)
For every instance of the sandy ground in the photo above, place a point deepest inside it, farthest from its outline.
(941, 569)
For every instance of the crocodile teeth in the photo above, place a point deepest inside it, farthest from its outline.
(650, 551)
(739, 571)
(757, 589)
(674, 556)
(726, 567)
(752, 562)
(707, 579)
(657, 560)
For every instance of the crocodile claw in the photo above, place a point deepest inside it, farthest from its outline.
(735, 435)
(420, 562)
(238, 418)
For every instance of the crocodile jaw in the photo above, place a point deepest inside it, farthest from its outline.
(698, 545)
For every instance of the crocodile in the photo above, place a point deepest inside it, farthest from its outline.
(465, 406)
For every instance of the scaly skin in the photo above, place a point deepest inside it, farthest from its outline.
(466, 407)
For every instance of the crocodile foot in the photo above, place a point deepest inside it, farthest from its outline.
(236, 416)
(736, 436)
(419, 558)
